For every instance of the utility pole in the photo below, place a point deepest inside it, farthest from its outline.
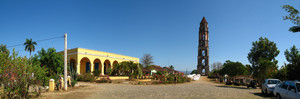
(65, 64)
(186, 72)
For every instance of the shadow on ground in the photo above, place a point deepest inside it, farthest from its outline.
(264, 95)
(257, 94)
(237, 87)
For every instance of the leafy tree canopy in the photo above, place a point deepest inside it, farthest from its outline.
(29, 45)
(293, 16)
(262, 58)
(171, 66)
(233, 68)
(50, 59)
(194, 71)
(293, 68)
(262, 49)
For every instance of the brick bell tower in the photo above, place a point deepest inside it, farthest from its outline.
(203, 55)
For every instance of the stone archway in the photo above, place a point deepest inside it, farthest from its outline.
(73, 65)
(97, 64)
(85, 65)
(107, 65)
(115, 62)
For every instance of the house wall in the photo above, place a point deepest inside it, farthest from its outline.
(105, 60)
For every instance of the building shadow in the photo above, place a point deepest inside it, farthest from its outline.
(265, 96)
(236, 87)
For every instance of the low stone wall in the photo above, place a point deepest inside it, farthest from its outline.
(118, 77)
(115, 77)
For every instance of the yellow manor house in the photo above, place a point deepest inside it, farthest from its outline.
(85, 60)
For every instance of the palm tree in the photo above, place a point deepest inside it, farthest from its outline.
(29, 45)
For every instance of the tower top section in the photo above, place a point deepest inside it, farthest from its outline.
(203, 20)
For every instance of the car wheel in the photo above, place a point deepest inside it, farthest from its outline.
(267, 93)
(278, 96)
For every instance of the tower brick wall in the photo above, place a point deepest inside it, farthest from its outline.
(203, 48)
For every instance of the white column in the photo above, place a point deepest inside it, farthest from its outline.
(92, 67)
(78, 68)
(65, 64)
(102, 69)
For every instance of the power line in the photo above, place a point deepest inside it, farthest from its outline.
(37, 41)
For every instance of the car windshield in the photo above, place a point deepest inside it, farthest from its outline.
(273, 81)
(298, 86)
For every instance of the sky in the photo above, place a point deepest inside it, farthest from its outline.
(166, 29)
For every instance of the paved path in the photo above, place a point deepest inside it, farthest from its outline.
(201, 89)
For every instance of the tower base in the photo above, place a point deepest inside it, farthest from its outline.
(200, 69)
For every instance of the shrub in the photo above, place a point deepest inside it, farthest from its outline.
(109, 71)
(104, 79)
(18, 73)
(96, 72)
(73, 77)
(88, 77)
(159, 73)
(171, 78)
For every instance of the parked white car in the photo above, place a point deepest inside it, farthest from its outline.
(269, 85)
(288, 90)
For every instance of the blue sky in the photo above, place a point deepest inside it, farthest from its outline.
(166, 29)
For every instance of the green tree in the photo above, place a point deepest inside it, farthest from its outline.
(293, 68)
(147, 60)
(214, 73)
(117, 69)
(29, 45)
(282, 73)
(262, 58)
(194, 71)
(233, 68)
(171, 66)
(127, 68)
(51, 60)
(249, 69)
(293, 16)
(3, 49)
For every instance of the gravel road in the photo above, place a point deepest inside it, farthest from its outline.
(202, 89)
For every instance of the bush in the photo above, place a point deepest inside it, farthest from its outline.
(73, 74)
(171, 78)
(96, 72)
(109, 71)
(159, 73)
(104, 79)
(87, 77)
(18, 73)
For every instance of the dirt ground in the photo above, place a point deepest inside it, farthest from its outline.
(202, 89)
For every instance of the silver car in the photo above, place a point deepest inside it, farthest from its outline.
(269, 85)
(288, 90)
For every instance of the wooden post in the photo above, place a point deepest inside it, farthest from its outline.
(65, 64)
